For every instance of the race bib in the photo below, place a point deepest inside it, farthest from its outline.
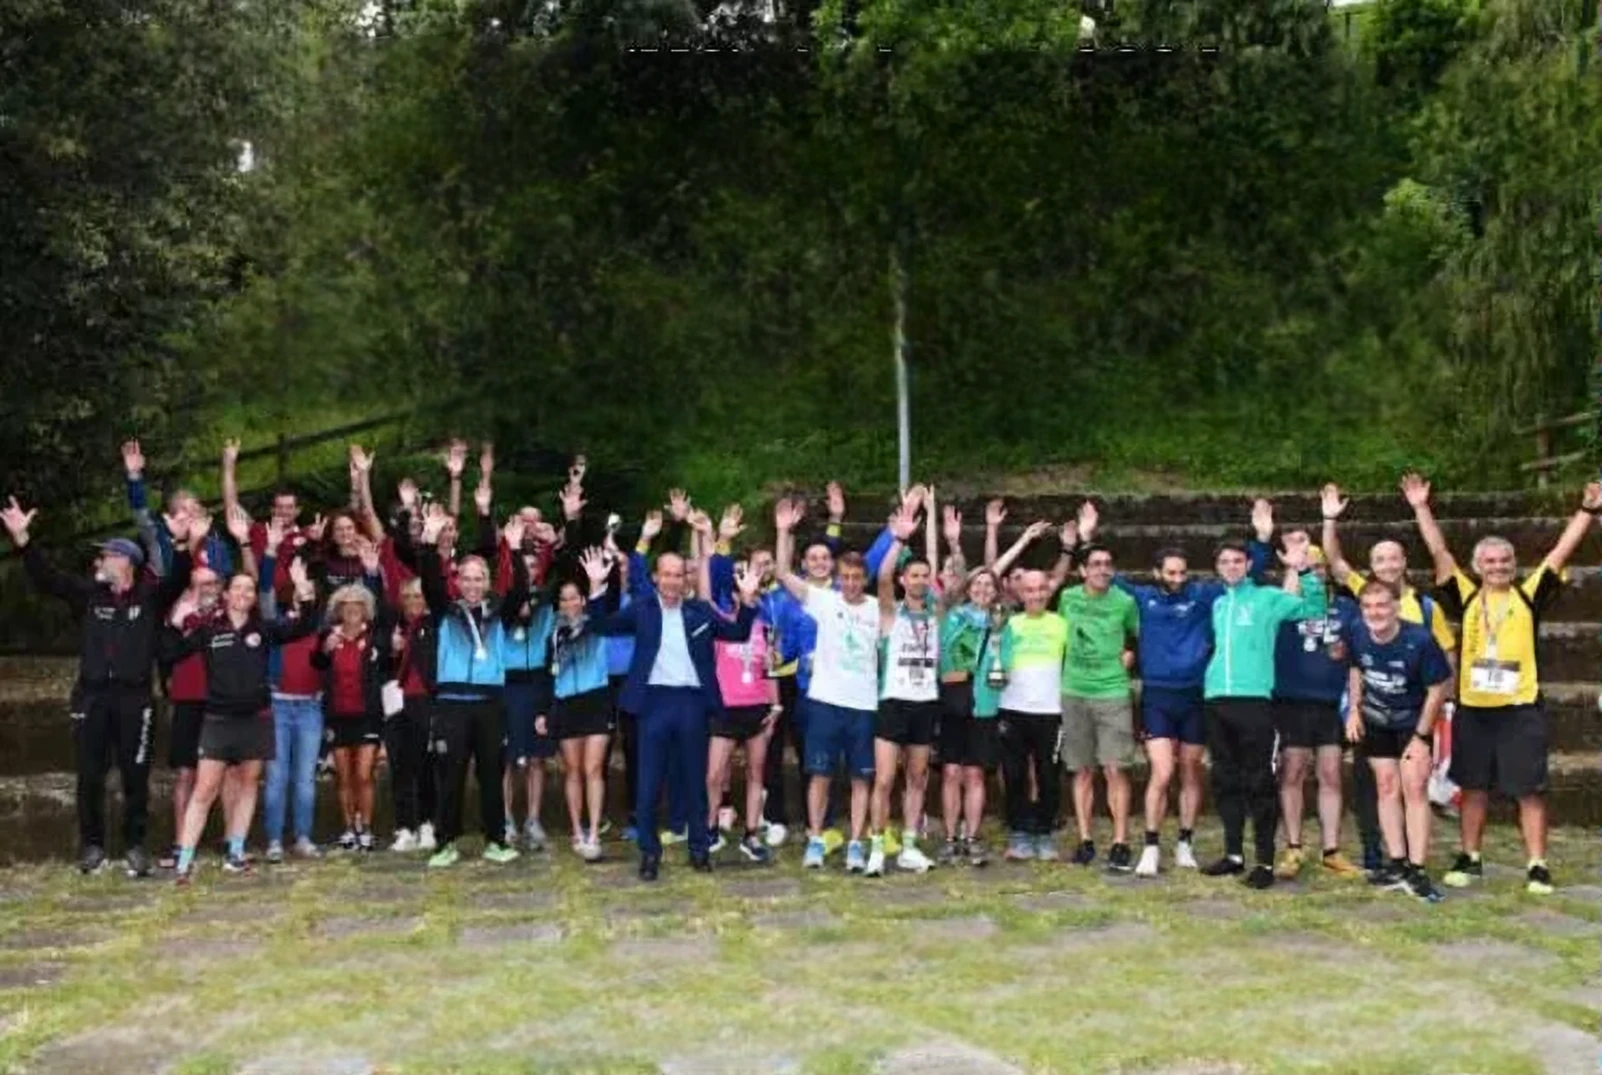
(1494, 677)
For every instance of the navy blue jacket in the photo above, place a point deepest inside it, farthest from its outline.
(643, 620)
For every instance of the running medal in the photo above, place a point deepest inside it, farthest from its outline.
(1310, 644)
(519, 634)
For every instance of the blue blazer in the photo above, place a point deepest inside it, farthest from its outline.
(643, 619)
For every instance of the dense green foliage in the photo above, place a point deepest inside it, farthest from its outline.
(1265, 256)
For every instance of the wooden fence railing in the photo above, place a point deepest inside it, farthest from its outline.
(281, 449)
(1546, 464)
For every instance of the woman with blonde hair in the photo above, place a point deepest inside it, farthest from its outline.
(353, 653)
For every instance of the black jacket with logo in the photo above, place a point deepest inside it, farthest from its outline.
(236, 657)
(119, 630)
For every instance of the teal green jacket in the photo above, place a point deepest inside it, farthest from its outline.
(1246, 623)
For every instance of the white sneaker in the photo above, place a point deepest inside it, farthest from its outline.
(275, 851)
(405, 840)
(425, 837)
(590, 850)
(726, 818)
(777, 834)
(509, 833)
(1150, 858)
(305, 849)
(533, 835)
(1184, 857)
(875, 866)
(912, 859)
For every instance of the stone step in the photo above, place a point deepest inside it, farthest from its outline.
(1136, 546)
(1170, 509)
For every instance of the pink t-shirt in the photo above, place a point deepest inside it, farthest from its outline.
(743, 668)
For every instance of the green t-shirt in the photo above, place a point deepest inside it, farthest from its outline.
(1098, 627)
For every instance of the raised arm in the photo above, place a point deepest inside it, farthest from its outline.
(931, 530)
(746, 585)
(518, 593)
(304, 620)
(902, 527)
(75, 591)
(1074, 532)
(995, 515)
(238, 523)
(431, 570)
(455, 463)
(1333, 505)
(133, 463)
(1417, 492)
(1579, 523)
(1032, 533)
(361, 487)
(701, 550)
(786, 514)
(230, 477)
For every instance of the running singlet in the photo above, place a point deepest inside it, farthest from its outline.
(845, 662)
(1033, 648)
(1497, 663)
(1098, 629)
(742, 669)
(912, 657)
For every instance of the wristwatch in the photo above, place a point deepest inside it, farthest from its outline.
(1423, 737)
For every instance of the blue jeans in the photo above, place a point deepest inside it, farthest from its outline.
(298, 729)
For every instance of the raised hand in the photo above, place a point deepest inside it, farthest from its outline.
(1088, 519)
(1331, 503)
(407, 490)
(995, 512)
(593, 561)
(576, 469)
(836, 497)
(953, 526)
(238, 521)
(133, 460)
(434, 523)
(367, 550)
(573, 500)
(314, 532)
(199, 527)
(729, 527)
(1415, 489)
(1591, 497)
(17, 521)
(748, 583)
(1037, 530)
(544, 533)
(1263, 518)
(903, 524)
(335, 637)
(678, 504)
(230, 451)
(275, 535)
(483, 497)
(699, 521)
(360, 461)
(486, 461)
(513, 531)
(302, 580)
(456, 459)
(1069, 534)
(786, 514)
(912, 499)
(652, 525)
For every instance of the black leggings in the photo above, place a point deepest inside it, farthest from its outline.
(463, 731)
(628, 736)
(1365, 793)
(786, 727)
(1240, 738)
(1030, 738)
(411, 774)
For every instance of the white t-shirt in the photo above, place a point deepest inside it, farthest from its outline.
(912, 658)
(845, 662)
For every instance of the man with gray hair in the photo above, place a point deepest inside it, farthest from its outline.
(1499, 735)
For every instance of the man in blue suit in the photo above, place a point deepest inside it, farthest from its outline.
(673, 687)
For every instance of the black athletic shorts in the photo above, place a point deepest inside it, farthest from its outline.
(359, 731)
(908, 724)
(582, 715)
(1307, 725)
(237, 739)
(739, 722)
(964, 738)
(1384, 743)
(1502, 749)
(184, 747)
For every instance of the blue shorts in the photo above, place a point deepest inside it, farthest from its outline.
(525, 700)
(1167, 713)
(833, 732)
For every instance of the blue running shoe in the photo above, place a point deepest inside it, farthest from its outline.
(1020, 847)
(631, 834)
(813, 859)
(856, 857)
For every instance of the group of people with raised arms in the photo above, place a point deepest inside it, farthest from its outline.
(359, 638)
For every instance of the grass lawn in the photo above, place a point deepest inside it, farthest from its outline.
(551, 966)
